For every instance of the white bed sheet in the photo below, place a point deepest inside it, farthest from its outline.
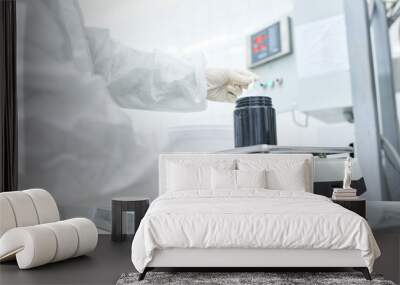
(250, 218)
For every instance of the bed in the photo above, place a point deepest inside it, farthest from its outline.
(247, 210)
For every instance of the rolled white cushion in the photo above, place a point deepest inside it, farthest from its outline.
(23, 208)
(67, 240)
(7, 219)
(87, 233)
(46, 207)
(37, 245)
(33, 246)
(26, 208)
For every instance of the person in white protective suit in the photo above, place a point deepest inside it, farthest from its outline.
(75, 139)
(157, 81)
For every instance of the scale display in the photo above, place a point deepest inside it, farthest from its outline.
(269, 43)
(265, 43)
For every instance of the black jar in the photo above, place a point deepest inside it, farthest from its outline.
(254, 121)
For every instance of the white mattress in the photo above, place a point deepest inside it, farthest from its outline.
(257, 219)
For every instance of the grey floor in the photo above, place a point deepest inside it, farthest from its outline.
(103, 266)
(110, 260)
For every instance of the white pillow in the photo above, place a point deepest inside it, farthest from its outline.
(226, 179)
(223, 179)
(251, 179)
(283, 173)
(184, 177)
(193, 174)
(296, 180)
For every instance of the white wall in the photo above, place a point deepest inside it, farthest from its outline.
(214, 27)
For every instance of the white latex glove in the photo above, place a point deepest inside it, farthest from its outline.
(224, 85)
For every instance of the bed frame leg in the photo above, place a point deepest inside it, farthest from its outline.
(364, 271)
(143, 274)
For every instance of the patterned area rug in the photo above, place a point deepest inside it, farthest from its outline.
(243, 278)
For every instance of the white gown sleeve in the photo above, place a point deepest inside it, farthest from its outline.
(145, 80)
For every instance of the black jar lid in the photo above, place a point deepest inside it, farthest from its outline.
(254, 101)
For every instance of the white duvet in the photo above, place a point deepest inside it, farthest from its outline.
(250, 219)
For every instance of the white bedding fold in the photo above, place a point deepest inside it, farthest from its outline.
(250, 219)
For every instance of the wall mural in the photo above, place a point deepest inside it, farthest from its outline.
(96, 108)
(95, 114)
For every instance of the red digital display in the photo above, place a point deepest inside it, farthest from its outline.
(265, 43)
(260, 43)
(261, 38)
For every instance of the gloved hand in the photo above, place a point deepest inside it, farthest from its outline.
(224, 85)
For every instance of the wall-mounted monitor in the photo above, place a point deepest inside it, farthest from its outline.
(269, 43)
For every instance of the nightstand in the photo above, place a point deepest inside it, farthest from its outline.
(357, 206)
(122, 204)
